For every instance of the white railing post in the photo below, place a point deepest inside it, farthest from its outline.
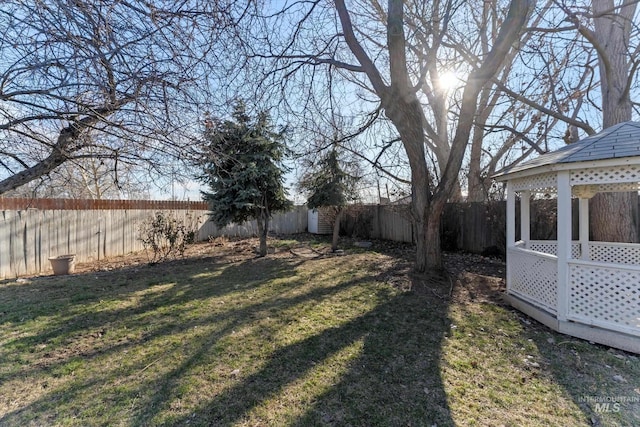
(511, 230)
(511, 216)
(525, 217)
(584, 229)
(564, 243)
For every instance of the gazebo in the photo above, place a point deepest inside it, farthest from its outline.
(582, 288)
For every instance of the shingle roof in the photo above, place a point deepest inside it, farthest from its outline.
(621, 140)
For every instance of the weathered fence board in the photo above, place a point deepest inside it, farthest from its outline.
(291, 222)
(469, 227)
(32, 231)
(392, 223)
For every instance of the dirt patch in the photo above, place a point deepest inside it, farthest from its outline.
(230, 250)
(477, 278)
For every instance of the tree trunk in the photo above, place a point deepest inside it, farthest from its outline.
(613, 216)
(263, 229)
(612, 33)
(336, 229)
(432, 234)
(57, 157)
(403, 108)
(60, 151)
(456, 193)
(475, 191)
(406, 116)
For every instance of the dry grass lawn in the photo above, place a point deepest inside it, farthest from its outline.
(300, 338)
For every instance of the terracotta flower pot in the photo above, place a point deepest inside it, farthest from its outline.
(63, 264)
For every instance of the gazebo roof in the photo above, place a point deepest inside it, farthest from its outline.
(621, 140)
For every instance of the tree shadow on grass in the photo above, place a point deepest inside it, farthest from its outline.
(396, 379)
(64, 299)
(71, 319)
(393, 380)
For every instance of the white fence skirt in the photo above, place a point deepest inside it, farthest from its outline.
(604, 291)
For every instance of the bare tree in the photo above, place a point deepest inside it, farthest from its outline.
(608, 31)
(122, 71)
(378, 56)
(523, 107)
(89, 178)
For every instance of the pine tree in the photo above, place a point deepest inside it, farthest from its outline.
(329, 185)
(243, 167)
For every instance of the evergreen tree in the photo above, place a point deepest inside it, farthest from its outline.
(329, 185)
(243, 168)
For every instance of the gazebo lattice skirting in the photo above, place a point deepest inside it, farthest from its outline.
(582, 288)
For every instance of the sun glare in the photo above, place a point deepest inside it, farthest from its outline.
(448, 80)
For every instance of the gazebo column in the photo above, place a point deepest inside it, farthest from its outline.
(511, 216)
(584, 228)
(564, 243)
(511, 228)
(525, 217)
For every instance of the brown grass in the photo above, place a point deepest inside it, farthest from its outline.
(301, 337)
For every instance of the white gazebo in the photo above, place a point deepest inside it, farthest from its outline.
(586, 289)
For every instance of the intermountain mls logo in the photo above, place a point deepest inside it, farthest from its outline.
(605, 404)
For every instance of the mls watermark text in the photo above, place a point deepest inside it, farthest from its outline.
(605, 404)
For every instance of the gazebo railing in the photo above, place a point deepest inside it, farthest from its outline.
(533, 277)
(613, 253)
(605, 295)
(551, 247)
(603, 292)
(616, 253)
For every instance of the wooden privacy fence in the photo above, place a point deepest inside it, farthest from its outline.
(32, 230)
(386, 222)
(469, 227)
